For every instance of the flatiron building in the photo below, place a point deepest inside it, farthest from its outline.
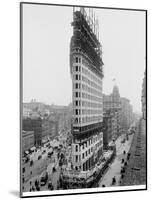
(87, 101)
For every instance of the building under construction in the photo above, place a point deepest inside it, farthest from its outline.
(87, 74)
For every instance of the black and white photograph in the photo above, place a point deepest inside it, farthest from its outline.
(83, 99)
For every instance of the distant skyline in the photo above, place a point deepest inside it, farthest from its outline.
(46, 42)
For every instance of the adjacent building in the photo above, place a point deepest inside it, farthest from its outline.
(126, 114)
(27, 140)
(118, 108)
(34, 124)
(112, 105)
(43, 128)
(27, 112)
(143, 99)
(110, 127)
(113, 100)
(53, 126)
(47, 121)
(87, 103)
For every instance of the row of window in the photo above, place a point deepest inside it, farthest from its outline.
(91, 83)
(77, 59)
(87, 111)
(84, 155)
(88, 73)
(90, 140)
(87, 104)
(88, 119)
(77, 68)
(86, 64)
(88, 143)
(77, 77)
(88, 152)
(91, 90)
(87, 89)
(87, 96)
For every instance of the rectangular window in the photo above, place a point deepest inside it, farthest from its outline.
(76, 158)
(76, 111)
(76, 148)
(76, 77)
(76, 103)
(76, 68)
(76, 59)
(76, 85)
(77, 94)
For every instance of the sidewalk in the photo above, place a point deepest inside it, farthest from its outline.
(115, 167)
(136, 170)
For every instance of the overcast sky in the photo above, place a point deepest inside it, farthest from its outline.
(46, 38)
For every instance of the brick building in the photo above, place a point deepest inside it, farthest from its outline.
(27, 140)
(43, 128)
(112, 105)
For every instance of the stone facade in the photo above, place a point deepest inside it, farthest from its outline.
(27, 140)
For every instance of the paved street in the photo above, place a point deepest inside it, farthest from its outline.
(55, 178)
(115, 167)
(45, 164)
